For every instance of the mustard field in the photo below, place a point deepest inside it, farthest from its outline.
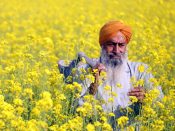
(36, 34)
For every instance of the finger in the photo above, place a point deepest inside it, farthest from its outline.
(96, 77)
(142, 94)
(101, 67)
(140, 98)
(137, 89)
(137, 92)
(134, 93)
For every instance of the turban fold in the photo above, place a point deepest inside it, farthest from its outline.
(111, 28)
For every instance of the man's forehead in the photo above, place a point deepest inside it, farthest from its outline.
(119, 38)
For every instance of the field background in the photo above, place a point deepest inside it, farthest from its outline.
(35, 34)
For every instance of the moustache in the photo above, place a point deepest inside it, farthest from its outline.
(114, 54)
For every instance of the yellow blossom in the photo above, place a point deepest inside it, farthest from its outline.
(141, 68)
(111, 114)
(18, 102)
(2, 124)
(111, 99)
(97, 124)
(90, 127)
(119, 85)
(107, 88)
(133, 99)
(122, 121)
(34, 95)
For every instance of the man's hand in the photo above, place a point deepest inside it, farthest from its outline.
(100, 67)
(93, 87)
(138, 92)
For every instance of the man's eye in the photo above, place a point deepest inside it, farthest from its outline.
(121, 44)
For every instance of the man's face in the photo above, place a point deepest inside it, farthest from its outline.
(114, 50)
(116, 46)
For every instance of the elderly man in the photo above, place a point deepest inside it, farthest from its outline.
(114, 38)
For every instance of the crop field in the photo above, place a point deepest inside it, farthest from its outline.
(36, 34)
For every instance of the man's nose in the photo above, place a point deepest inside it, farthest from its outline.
(116, 48)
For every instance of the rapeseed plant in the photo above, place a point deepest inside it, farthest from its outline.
(33, 93)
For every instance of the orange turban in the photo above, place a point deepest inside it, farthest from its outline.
(110, 29)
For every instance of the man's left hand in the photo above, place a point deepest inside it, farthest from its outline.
(138, 92)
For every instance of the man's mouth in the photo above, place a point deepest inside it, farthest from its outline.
(114, 56)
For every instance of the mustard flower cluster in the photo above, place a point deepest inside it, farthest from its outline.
(35, 35)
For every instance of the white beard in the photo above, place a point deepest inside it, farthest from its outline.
(116, 75)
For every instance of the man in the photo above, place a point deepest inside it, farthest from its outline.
(114, 38)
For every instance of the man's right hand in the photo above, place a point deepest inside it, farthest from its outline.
(97, 70)
(100, 68)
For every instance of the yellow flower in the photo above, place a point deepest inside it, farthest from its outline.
(97, 124)
(82, 70)
(18, 102)
(77, 86)
(111, 99)
(114, 94)
(130, 128)
(95, 70)
(133, 99)
(2, 124)
(158, 125)
(104, 119)
(141, 68)
(98, 107)
(140, 82)
(87, 106)
(45, 94)
(57, 108)
(90, 127)
(103, 75)
(106, 127)
(107, 88)
(61, 97)
(82, 77)
(28, 92)
(122, 121)
(35, 112)
(119, 85)
(159, 104)
(171, 118)
(33, 93)
(154, 81)
(1, 98)
(91, 78)
(19, 110)
(111, 114)
(83, 60)
(55, 128)
(45, 104)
